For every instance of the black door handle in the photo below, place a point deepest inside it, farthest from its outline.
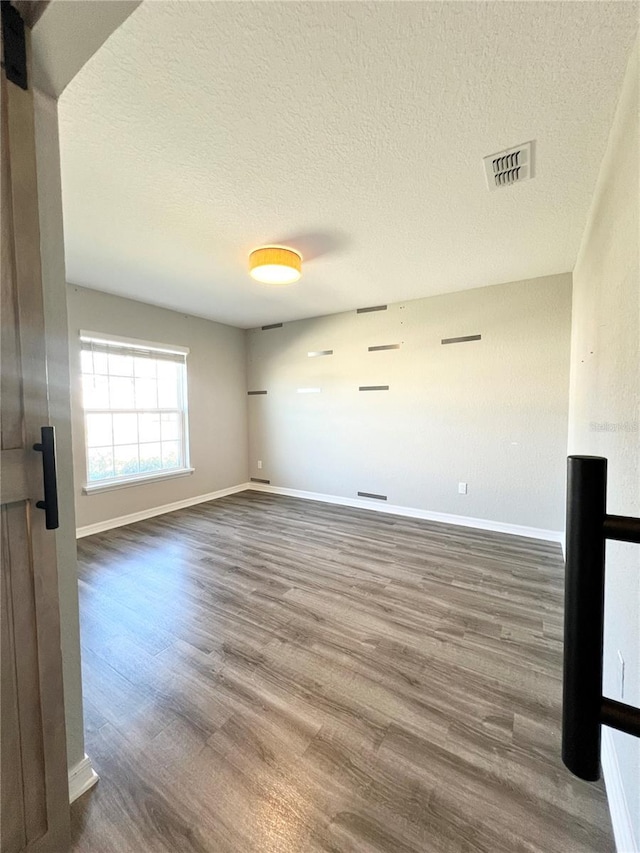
(47, 447)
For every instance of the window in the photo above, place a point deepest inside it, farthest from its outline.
(135, 410)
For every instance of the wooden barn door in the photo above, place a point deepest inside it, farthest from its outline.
(34, 782)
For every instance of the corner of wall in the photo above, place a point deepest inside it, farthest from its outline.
(245, 344)
(603, 417)
(55, 302)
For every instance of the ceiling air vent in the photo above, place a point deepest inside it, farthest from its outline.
(509, 167)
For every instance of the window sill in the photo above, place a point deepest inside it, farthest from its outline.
(110, 485)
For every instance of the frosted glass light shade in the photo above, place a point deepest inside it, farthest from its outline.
(275, 265)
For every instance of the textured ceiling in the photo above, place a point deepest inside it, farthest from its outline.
(353, 131)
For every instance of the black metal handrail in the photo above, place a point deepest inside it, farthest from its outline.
(584, 708)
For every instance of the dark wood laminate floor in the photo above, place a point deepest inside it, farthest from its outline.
(273, 675)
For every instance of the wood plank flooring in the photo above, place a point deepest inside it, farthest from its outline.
(269, 675)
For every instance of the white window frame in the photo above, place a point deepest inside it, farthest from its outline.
(92, 487)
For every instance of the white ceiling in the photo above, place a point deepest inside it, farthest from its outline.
(353, 131)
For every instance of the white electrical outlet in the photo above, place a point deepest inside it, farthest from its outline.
(462, 488)
(620, 675)
(259, 464)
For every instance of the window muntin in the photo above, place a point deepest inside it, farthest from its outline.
(135, 409)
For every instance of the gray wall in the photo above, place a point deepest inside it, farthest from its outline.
(492, 413)
(217, 401)
(54, 294)
(605, 394)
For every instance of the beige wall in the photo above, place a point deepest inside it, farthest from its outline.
(605, 394)
(491, 413)
(217, 401)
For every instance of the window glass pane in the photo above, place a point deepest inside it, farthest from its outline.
(168, 372)
(150, 457)
(99, 430)
(100, 363)
(120, 365)
(171, 454)
(125, 459)
(125, 429)
(86, 360)
(121, 391)
(146, 394)
(100, 463)
(171, 424)
(168, 384)
(95, 392)
(144, 367)
(149, 427)
(167, 395)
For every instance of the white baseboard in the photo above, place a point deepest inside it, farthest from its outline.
(411, 512)
(121, 520)
(359, 503)
(81, 778)
(618, 806)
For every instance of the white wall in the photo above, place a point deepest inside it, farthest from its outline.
(492, 413)
(216, 377)
(604, 417)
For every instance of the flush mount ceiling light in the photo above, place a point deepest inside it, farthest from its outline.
(275, 265)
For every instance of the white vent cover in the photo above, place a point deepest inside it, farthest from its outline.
(509, 167)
